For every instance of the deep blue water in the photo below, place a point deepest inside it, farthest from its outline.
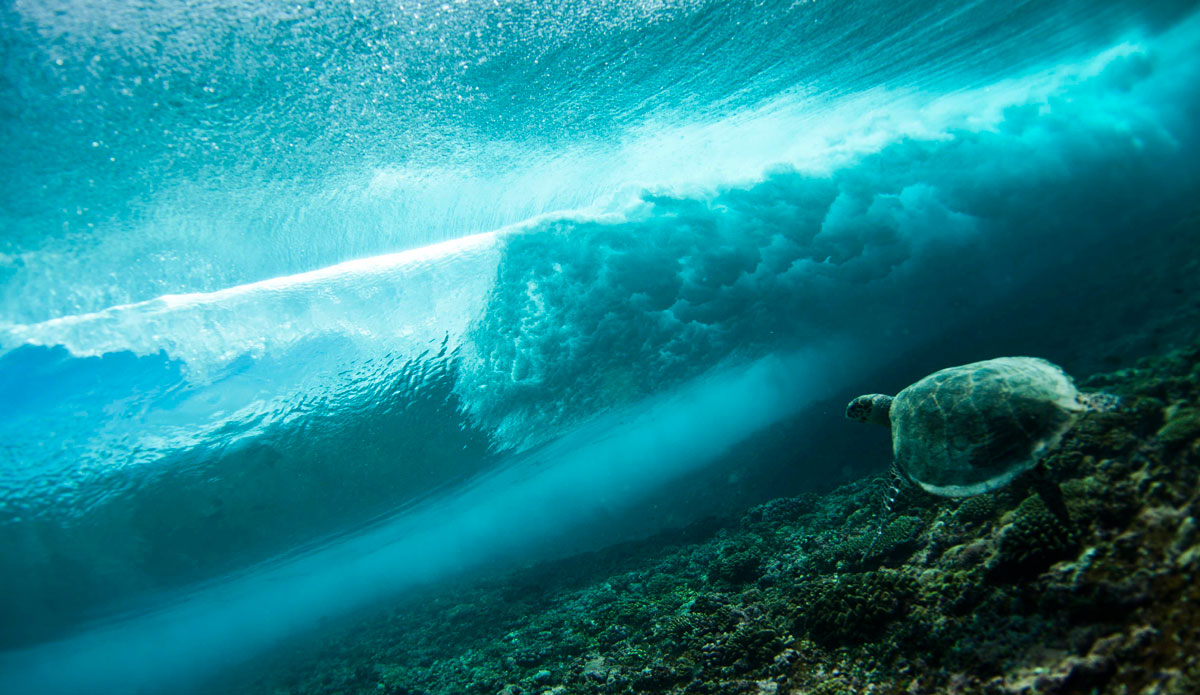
(302, 305)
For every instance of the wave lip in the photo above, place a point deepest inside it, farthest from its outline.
(199, 168)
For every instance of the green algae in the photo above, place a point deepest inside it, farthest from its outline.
(1183, 426)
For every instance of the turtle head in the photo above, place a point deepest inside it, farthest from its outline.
(872, 408)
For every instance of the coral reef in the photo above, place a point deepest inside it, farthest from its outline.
(822, 595)
(1032, 542)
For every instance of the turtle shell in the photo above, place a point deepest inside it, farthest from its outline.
(969, 429)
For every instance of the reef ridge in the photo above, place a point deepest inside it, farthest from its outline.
(821, 594)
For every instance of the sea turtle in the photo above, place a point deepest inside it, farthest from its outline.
(973, 428)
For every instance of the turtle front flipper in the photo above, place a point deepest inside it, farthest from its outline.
(897, 483)
(873, 408)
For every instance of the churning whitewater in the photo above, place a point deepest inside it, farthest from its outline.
(286, 332)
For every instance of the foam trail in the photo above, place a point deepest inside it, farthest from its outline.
(594, 471)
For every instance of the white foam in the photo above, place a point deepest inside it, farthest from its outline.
(405, 301)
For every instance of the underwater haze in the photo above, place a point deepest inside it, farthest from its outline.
(304, 305)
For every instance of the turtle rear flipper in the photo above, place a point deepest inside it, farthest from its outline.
(1100, 402)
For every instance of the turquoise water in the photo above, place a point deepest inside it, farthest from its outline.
(303, 305)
